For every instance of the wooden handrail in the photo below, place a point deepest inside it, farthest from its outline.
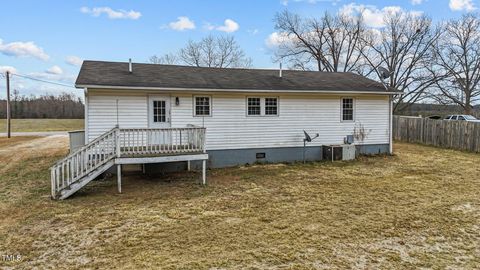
(116, 142)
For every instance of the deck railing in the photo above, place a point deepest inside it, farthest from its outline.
(124, 143)
(83, 161)
(161, 141)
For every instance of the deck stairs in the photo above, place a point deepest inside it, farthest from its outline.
(87, 163)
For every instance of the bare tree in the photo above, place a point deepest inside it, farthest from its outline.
(167, 59)
(329, 43)
(457, 60)
(403, 47)
(221, 52)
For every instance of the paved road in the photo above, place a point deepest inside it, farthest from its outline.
(36, 133)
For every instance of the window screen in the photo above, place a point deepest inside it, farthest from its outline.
(202, 106)
(347, 109)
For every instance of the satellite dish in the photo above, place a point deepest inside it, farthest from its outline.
(305, 140)
(307, 137)
(384, 73)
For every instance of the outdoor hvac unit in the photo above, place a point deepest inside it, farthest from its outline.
(339, 152)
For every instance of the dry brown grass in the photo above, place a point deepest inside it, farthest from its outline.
(6, 142)
(30, 125)
(420, 208)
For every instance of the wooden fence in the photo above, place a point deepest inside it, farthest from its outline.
(459, 135)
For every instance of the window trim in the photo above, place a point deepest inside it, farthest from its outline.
(353, 109)
(262, 106)
(194, 105)
(246, 107)
(165, 111)
(265, 107)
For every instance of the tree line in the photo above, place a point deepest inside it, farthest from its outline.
(64, 105)
(429, 62)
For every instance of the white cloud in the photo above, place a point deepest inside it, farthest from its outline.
(253, 31)
(48, 75)
(23, 49)
(459, 5)
(416, 2)
(111, 14)
(373, 16)
(4, 69)
(74, 60)
(182, 23)
(56, 70)
(229, 26)
(276, 38)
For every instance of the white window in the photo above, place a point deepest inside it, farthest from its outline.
(271, 106)
(262, 106)
(203, 106)
(159, 111)
(347, 109)
(253, 106)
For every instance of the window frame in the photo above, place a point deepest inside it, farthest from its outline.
(262, 106)
(353, 109)
(165, 118)
(265, 106)
(210, 103)
(253, 115)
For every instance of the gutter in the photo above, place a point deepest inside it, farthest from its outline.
(233, 90)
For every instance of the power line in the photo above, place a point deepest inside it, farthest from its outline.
(44, 81)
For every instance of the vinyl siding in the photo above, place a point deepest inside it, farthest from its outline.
(102, 113)
(230, 128)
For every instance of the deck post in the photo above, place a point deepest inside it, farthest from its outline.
(204, 172)
(117, 142)
(188, 165)
(143, 168)
(119, 178)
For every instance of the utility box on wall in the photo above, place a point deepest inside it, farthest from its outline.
(77, 139)
(339, 152)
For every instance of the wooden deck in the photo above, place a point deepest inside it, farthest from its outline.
(127, 146)
(144, 151)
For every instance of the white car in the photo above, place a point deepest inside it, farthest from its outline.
(462, 117)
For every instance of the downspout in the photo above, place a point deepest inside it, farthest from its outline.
(85, 91)
(390, 118)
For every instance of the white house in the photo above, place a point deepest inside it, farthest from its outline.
(238, 116)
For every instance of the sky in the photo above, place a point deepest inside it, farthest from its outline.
(48, 40)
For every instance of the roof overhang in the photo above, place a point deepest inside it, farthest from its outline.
(113, 87)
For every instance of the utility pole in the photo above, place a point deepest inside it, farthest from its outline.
(8, 104)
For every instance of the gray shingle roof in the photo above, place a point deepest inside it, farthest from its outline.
(100, 73)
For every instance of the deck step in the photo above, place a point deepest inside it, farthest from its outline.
(67, 192)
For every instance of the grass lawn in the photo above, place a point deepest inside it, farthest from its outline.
(419, 208)
(27, 125)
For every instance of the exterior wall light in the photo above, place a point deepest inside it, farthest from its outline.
(177, 101)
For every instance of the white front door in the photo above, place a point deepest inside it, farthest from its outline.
(159, 117)
(159, 112)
